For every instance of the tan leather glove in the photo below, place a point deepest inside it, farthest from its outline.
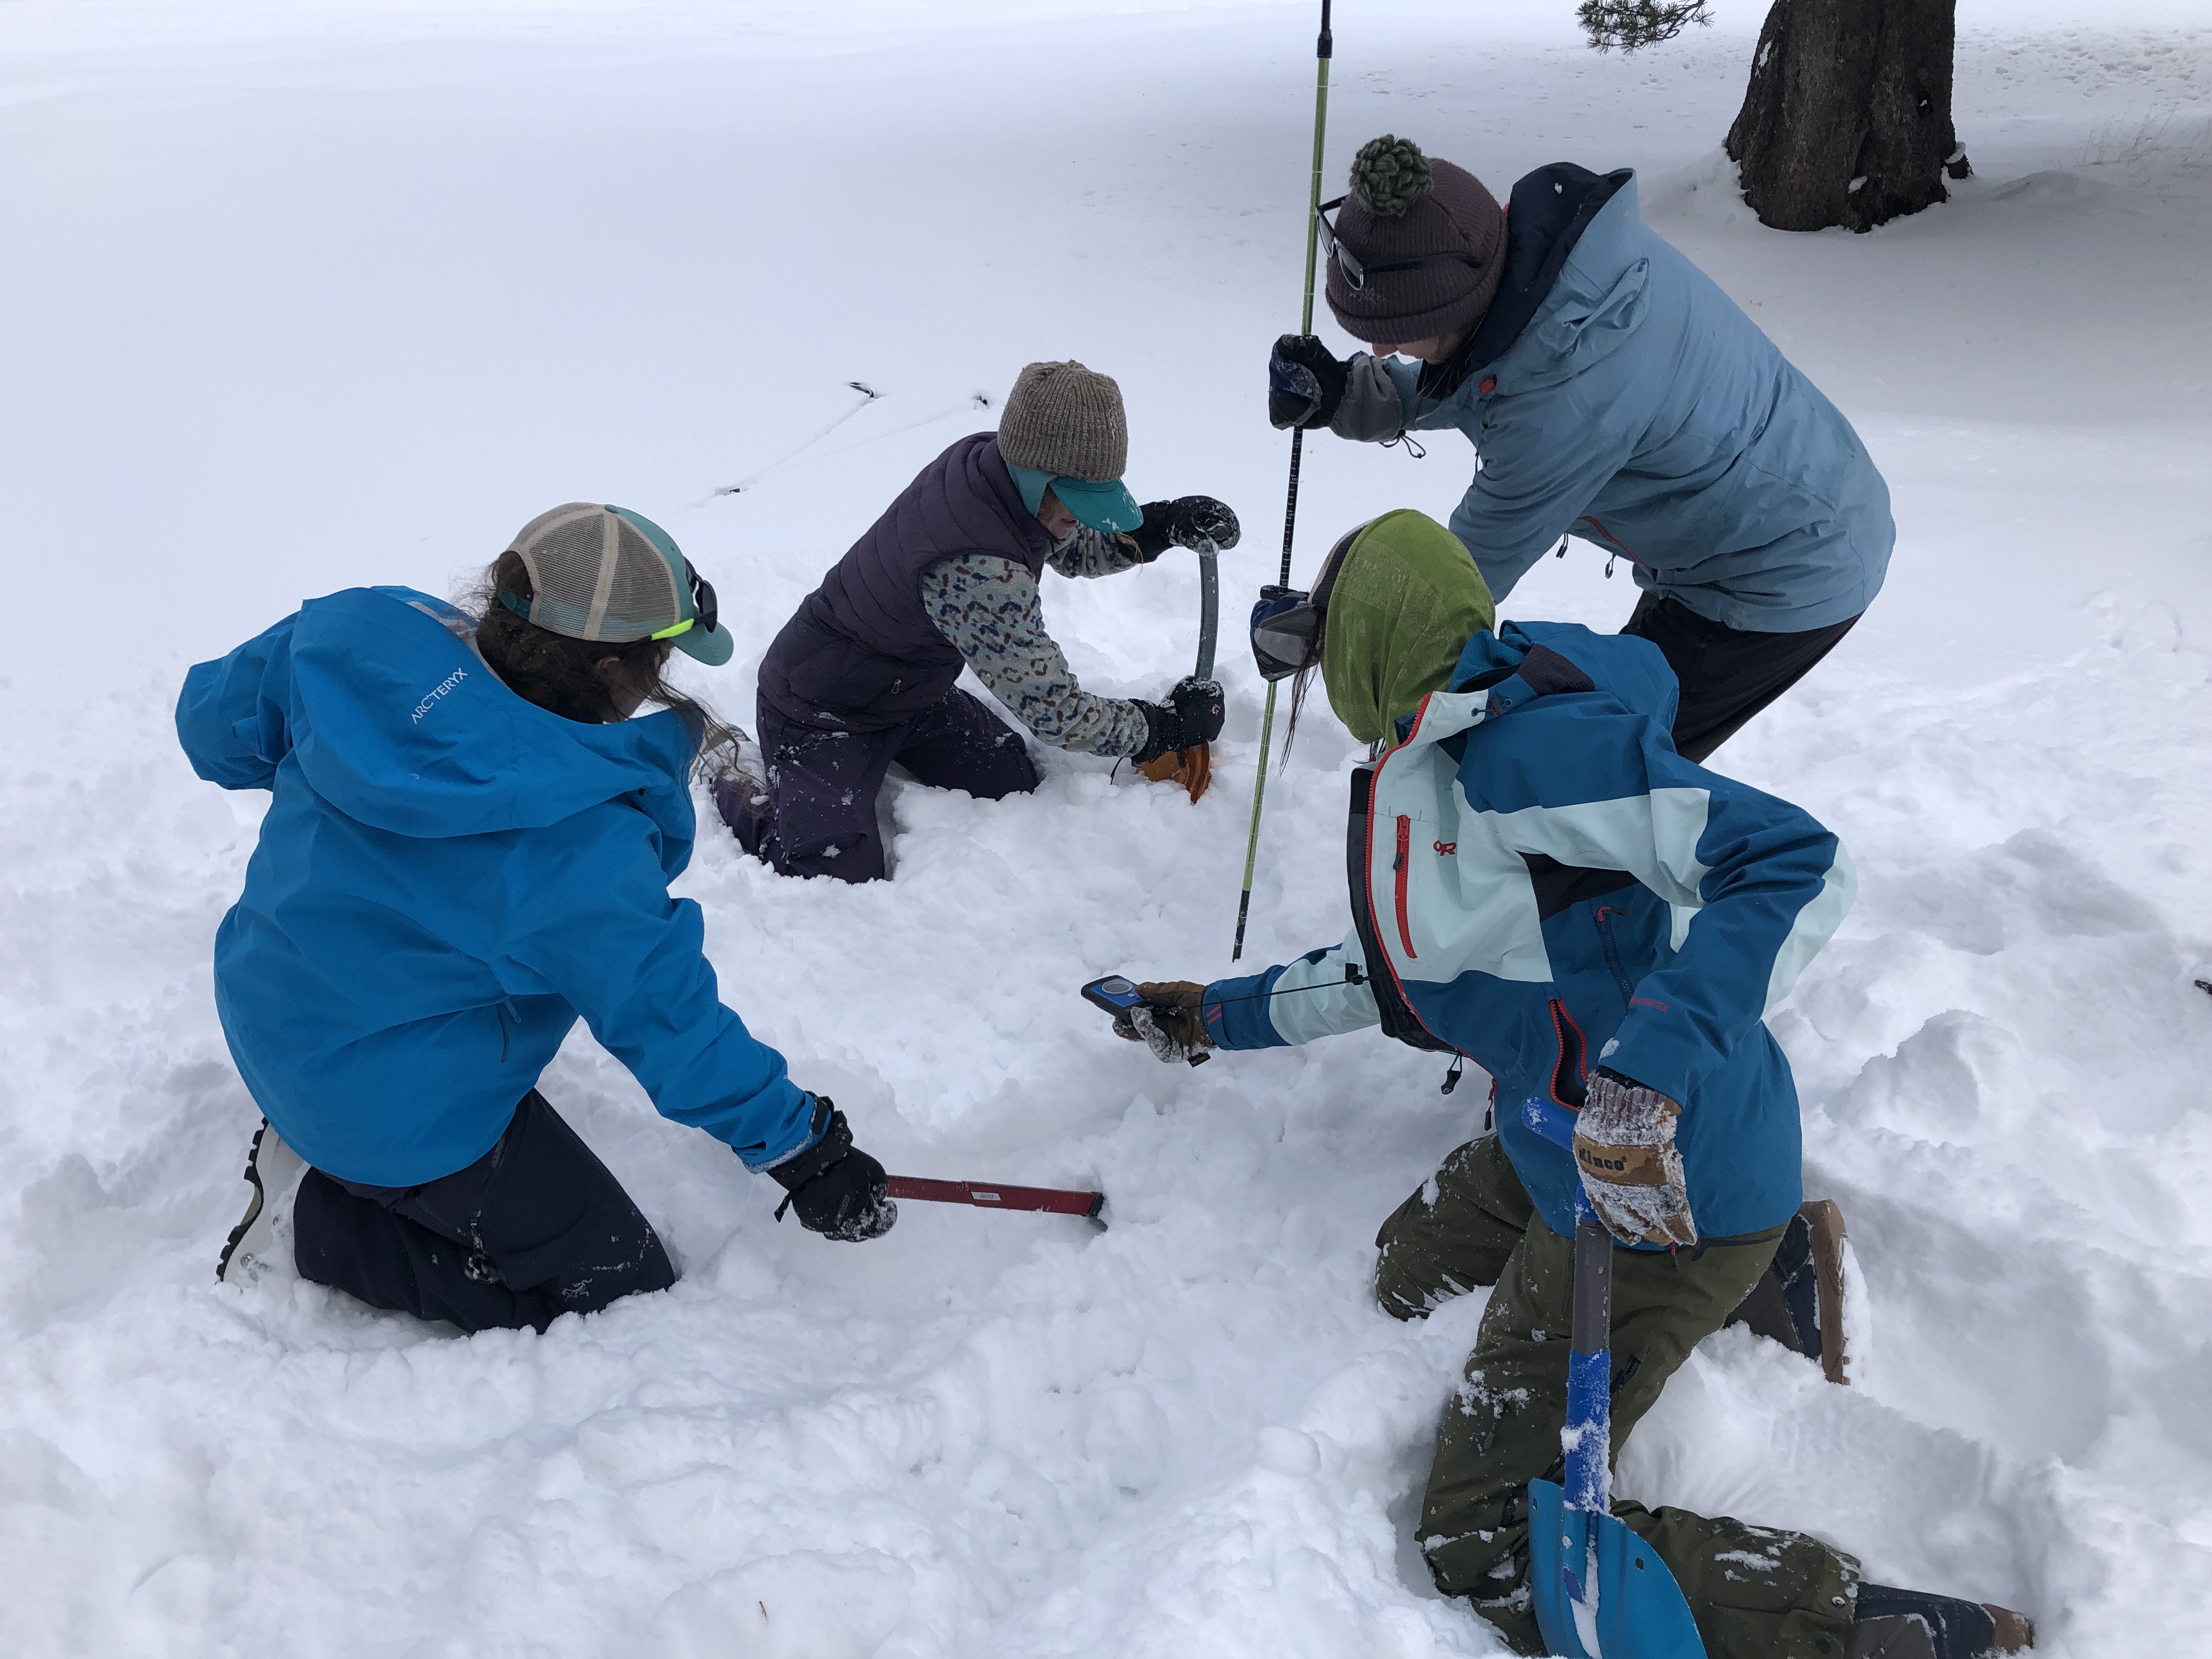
(1171, 1023)
(1624, 1147)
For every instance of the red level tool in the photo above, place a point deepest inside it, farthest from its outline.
(1059, 1200)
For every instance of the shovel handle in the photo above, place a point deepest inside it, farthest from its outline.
(1589, 1436)
(988, 1195)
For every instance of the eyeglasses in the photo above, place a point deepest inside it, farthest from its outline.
(1357, 274)
(705, 612)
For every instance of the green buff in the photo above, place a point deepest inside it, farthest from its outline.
(1405, 601)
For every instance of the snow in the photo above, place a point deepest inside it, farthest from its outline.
(299, 296)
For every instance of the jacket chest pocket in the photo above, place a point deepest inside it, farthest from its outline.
(1421, 873)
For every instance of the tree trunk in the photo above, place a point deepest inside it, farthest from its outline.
(1847, 119)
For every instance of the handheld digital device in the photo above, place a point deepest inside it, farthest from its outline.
(1117, 995)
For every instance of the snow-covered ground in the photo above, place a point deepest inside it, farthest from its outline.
(299, 296)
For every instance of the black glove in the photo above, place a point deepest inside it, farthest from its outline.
(1186, 521)
(1192, 714)
(1305, 383)
(838, 1190)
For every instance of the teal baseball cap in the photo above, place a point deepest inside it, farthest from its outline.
(1107, 507)
(601, 572)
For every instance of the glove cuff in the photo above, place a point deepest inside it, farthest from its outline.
(833, 1140)
(1162, 731)
(1153, 536)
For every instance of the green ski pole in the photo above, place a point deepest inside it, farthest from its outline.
(1324, 47)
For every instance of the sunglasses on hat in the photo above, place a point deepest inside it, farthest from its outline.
(705, 612)
(1356, 273)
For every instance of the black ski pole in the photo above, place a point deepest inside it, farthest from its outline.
(1324, 48)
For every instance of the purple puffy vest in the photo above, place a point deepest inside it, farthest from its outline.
(860, 654)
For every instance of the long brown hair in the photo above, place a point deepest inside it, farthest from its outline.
(1301, 683)
(558, 673)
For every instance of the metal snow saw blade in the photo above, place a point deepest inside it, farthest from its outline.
(1600, 1591)
(1193, 768)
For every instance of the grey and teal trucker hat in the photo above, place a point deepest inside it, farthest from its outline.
(598, 572)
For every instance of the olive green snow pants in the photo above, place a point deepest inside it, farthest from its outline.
(1755, 1593)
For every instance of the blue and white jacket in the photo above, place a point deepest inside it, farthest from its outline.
(1540, 883)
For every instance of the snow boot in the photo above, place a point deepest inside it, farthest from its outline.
(1900, 1624)
(1800, 1300)
(263, 1239)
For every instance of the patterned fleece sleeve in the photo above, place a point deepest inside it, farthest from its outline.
(1090, 552)
(988, 608)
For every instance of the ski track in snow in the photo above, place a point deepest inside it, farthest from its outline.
(299, 298)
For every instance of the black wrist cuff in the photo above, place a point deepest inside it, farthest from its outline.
(1162, 731)
(833, 1140)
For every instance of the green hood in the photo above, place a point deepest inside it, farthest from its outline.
(1407, 600)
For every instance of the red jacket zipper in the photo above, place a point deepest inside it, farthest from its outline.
(1404, 858)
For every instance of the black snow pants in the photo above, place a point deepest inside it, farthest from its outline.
(535, 1228)
(1727, 674)
(820, 815)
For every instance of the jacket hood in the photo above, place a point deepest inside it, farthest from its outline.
(1592, 306)
(397, 722)
(1406, 597)
(1629, 669)
(1551, 209)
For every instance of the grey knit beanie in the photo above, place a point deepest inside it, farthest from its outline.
(1404, 204)
(1064, 420)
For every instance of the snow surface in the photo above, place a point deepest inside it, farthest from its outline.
(298, 297)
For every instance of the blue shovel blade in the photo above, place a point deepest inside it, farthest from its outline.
(1641, 1612)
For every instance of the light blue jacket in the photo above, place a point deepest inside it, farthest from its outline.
(447, 879)
(1640, 409)
(1545, 885)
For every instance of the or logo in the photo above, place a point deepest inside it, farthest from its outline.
(1646, 1002)
(1447, 848)
(443, 686)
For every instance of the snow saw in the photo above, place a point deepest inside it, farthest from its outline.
(993, 1195)
(1600, 1591)
(1193, 768)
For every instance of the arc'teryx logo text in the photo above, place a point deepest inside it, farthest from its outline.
(438, 691)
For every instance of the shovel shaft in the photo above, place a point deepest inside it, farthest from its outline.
(985, 1195)
(1588, 1437)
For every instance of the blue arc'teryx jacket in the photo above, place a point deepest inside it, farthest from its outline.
(1540, 882)
(1639, 408)
(448, 878)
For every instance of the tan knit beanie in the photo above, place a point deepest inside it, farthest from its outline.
(1063, 419)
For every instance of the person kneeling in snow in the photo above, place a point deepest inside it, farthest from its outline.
(1613, 394)
(1539, 881)
(864, 674)
(469, 844)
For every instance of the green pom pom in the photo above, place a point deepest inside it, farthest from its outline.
(1390, 174)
